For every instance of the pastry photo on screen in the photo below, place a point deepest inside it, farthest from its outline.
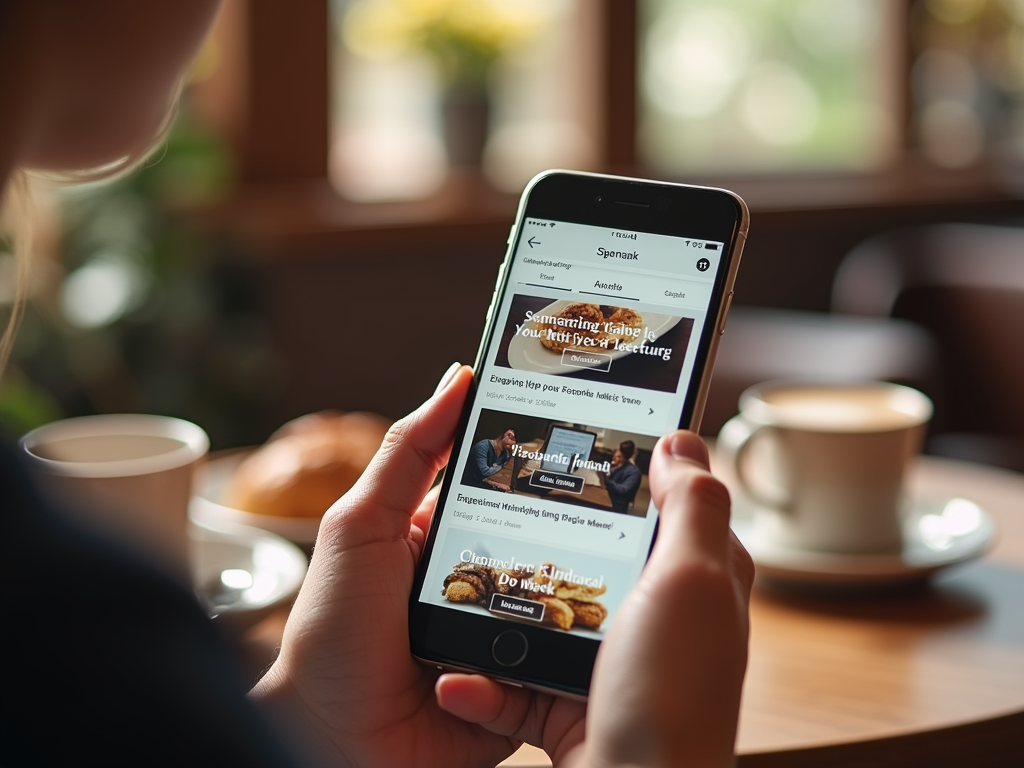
(533, 583)
(594, 342)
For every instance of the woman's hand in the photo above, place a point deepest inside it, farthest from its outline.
(345, 682)
(666, 689)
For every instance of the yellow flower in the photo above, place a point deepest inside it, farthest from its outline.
(464, 36)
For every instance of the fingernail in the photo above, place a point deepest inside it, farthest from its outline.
(448, 376)
(686, 445)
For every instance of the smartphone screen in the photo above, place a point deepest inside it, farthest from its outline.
(599, 331)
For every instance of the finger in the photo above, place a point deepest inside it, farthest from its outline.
(421, 517)
(421, 520)
(477, 699)
(694, 505)
(706, 508)
(552, 723)
(390, 490)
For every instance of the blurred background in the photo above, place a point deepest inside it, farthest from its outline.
(325, 225)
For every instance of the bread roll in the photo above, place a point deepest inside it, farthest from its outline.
(306, 464)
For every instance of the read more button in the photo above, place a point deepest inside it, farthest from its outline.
(556, 481)
(595, 361)
(517, 606)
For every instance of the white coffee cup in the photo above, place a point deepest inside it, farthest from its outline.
(129, 473)
(824, 463)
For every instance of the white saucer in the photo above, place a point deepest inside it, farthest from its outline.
(207, 508)
(938, 533)
(241, 574)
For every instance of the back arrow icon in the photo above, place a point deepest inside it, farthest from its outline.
(531, 242)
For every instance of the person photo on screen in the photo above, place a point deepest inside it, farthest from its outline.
(623, 481)
(488, 458)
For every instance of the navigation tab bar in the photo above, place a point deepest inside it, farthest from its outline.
(647, 289)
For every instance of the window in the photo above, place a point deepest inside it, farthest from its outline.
(968, 80)
(415, 85)
(756, 89)
(766, 85)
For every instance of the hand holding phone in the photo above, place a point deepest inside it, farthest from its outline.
(347, 689)
(669, 672)
(668, 681)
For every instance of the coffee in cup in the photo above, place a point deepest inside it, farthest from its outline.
(129, 473)
(824, 463)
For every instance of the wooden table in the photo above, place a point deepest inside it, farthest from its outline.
(928, 676)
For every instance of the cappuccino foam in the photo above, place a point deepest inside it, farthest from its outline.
(103, 448)
(847, 408)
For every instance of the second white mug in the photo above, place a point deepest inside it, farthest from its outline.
(824, 463)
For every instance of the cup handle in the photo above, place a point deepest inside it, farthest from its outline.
(734, 440)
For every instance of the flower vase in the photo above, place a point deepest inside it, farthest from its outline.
(466, 119)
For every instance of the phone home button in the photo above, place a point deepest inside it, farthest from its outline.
(510, 648)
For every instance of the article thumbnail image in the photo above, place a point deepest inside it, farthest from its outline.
(560, 461)
(530, 582)
(594, 342)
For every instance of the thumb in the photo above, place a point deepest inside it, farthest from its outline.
(695, 542)
(415, 449)
(694, 525)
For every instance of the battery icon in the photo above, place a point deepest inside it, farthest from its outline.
(711, 246)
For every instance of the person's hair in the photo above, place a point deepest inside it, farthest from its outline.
(628, 448)
(16, 213)
(15, 208)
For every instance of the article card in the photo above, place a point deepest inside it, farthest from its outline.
(535, 457)
(594, 342)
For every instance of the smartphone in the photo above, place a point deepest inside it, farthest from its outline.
(600, 337)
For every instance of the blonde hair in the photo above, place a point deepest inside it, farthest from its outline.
(16, 213)
(15, 210)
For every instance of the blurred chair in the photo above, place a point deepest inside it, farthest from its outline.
(763, 344)
(965, 284)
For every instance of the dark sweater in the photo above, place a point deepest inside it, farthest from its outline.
(109, 660)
